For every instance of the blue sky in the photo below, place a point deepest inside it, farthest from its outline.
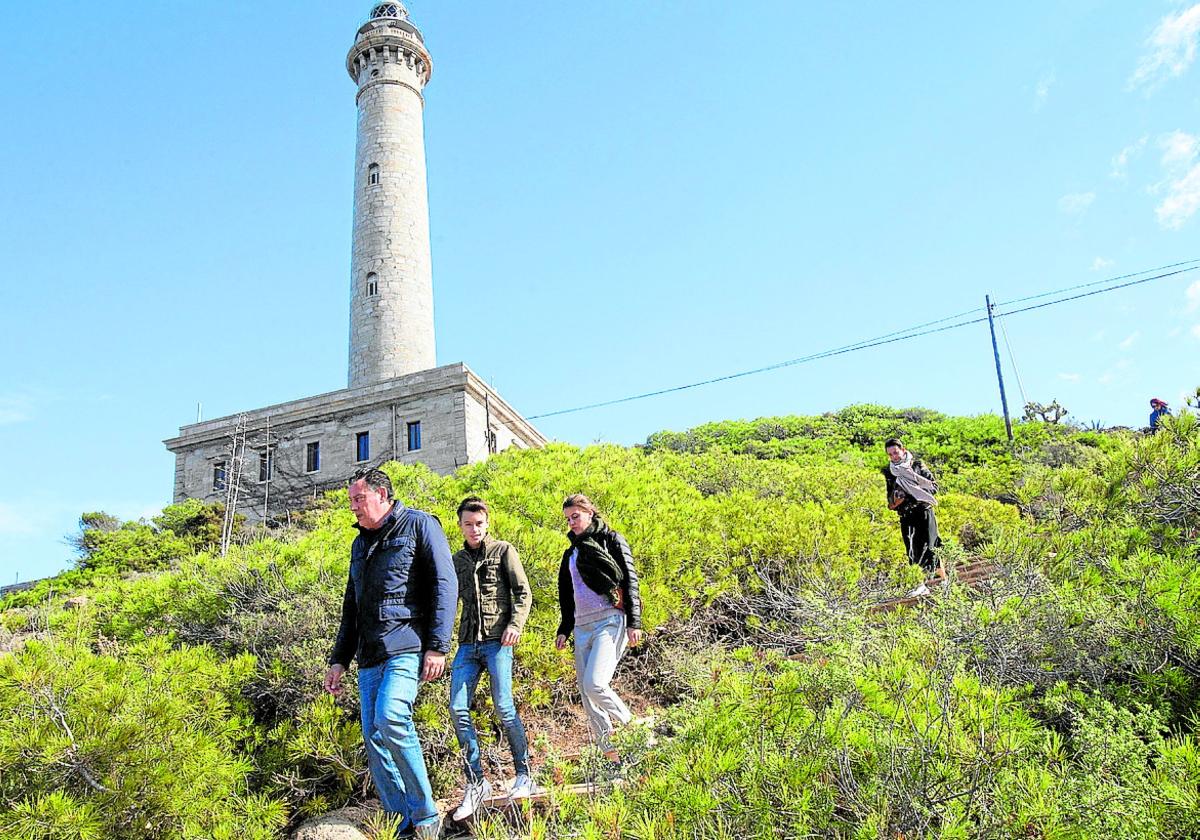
(624, 197)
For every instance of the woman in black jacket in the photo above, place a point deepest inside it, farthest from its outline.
(599, 601)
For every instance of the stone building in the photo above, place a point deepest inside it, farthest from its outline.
(399, 405)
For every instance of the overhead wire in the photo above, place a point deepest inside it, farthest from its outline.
(890, 338)
(1097, 282)
(1094, 292)
(1013, 360)
(916, 331)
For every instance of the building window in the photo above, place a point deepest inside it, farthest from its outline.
(373, 175)
(362, 447)
(372, 284)
(219, 475)
(266, 466)
(414, 436)
(385, 10)
(312, 457)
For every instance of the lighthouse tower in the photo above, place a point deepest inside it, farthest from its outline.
(399, 405)
(391, 278)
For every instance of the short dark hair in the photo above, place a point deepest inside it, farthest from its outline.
(473, 504)
(893, 442)
(374, 477)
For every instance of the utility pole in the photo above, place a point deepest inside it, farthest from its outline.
(269, 475)
(999, 376)
(488, 438)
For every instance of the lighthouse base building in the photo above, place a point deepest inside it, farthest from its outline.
(399, 405)
(279, 456)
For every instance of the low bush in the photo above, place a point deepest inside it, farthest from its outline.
(180, 697)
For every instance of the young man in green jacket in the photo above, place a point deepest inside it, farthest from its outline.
(496, 600)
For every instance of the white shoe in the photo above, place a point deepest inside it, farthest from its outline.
(522, 787)
(472, 799)
(921, 589)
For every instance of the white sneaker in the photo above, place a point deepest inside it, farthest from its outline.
(921, 589)
(522, 787)
(472, 799)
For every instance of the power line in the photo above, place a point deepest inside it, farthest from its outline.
(825, 354)
(1096, 283)
(916, 331)
(1096, 292)
(909, 329)
(1013, 361)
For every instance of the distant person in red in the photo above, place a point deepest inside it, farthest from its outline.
(911, 492)
(1158, 410)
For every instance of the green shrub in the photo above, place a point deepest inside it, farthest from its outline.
(181, 697)
(142, 746)
(196, 522)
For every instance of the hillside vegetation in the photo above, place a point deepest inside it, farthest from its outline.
(159, 690)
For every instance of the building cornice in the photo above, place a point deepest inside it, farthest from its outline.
(414, 386)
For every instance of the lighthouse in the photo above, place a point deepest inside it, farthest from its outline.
(398, 404)
(391, 272)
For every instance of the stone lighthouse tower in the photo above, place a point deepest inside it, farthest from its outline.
(391, 282)
(399, 406)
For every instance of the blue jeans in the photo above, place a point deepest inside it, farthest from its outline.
(387, 693)
(468, 666)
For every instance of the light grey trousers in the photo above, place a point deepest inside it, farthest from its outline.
(598, 648)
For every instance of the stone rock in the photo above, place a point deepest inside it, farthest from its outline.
(344, 824)
(78, 602)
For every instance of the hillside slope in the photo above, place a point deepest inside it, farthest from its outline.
(162, 691)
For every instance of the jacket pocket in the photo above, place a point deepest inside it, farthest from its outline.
(395, 567)
(404, 541)
(489, 573)
(394, 611)
(496, 614)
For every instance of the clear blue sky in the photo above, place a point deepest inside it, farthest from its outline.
(624, 196)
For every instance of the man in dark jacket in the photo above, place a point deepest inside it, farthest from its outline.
(397, 619)
(911, 491)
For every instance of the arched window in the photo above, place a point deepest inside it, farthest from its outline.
(372, 284)
(373, 174)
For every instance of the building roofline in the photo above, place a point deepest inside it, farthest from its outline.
(499, 406)
(456, 376)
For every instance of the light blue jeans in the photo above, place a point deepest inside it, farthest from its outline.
(599, 646)
(469, 664)
(387, 693)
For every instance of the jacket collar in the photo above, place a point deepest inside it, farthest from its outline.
(596, 529)
(483, 546)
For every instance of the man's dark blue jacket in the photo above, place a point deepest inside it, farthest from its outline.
(402, 592)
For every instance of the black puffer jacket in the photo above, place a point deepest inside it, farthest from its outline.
(618, 548)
